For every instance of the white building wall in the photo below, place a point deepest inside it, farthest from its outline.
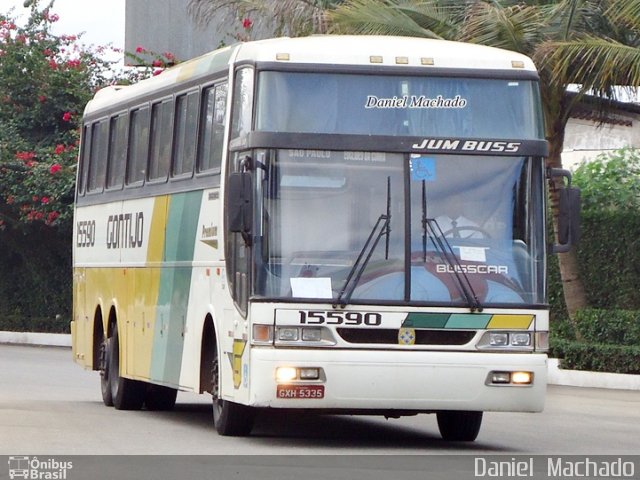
(585, 139)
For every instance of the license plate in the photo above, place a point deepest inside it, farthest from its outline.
(300, 391)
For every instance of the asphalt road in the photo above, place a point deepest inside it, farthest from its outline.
(51, 406)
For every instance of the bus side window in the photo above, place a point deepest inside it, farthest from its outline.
(186, 130)
(161, 137)
(98, 156)
(242, 103)
(138, 146)
(214, 107)
(117, 151)
(85, 148)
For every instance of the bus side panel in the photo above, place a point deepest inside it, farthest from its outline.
(207, 274)
(143, 304)
(79, 325)
(175, 284)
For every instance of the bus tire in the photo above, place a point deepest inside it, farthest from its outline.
(105, 385)
(127, 394)
(160, 398)
(229, 418)
(459, 426)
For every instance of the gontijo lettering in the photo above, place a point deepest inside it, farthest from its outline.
(125, 230)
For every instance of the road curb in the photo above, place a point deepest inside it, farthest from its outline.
(556, 375)
(579, 378)
(32, 338)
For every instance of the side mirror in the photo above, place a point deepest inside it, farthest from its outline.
(568, 215)
(240, 204)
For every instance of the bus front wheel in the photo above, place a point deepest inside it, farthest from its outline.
(459, 426)
(230, 418)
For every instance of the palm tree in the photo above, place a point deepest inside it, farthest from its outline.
(592, 44)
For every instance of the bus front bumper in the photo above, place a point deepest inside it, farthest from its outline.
(418, 381)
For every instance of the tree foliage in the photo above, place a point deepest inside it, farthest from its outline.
(610, 182)
(283, 17)
(45, 81)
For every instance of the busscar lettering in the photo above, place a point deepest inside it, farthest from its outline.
(472, 269)
(125, 230)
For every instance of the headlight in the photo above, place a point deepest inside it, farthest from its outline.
(491, 340)
(304, 337)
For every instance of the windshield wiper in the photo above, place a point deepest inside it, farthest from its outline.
(446, 252)
(382, 227)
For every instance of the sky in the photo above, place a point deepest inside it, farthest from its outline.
(101, 20)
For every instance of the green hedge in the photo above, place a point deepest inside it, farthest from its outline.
(611, 342)
(21, 323)
(35, 278)
(611, 326)
(596, 357)
(609, 255)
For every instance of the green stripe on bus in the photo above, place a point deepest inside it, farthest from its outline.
(426, 320)
(175, 284)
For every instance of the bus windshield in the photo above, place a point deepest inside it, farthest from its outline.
(339, 103)
(318, 208)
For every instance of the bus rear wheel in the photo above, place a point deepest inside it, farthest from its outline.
(127, 394)
(459, 426)
(105, 385)
(230, 418)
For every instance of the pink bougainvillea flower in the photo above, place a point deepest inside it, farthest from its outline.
(140, 49)
(55, 168)
(52, 217)
(42, 98)
(66, 117)
(45, 200)
(157, 72)
(59, 149)
(157, 63)
(25, 156)
(246, 23)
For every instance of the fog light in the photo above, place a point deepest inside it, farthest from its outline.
(500, 377)
(521, 339)
(522, 378)
(311, 334)
(498, 339)
(286, 374)
(309, 373)
(288, 334)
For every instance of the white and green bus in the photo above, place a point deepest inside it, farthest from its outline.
(338, 224)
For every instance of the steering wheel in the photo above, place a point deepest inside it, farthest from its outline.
(449, 233)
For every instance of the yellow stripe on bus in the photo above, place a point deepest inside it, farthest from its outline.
(510, 321)
(147, 284)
